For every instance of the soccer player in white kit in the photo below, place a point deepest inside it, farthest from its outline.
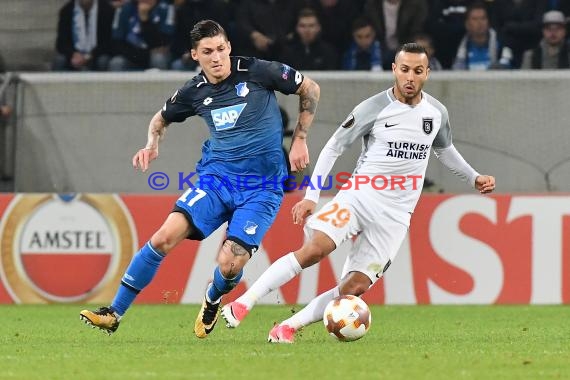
(398, 127)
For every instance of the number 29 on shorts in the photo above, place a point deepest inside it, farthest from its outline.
(335, 215)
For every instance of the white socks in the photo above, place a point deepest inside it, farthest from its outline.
(279, 273)
(313, 312)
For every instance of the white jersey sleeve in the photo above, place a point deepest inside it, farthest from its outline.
(357, 125)
(447, 154)
(455, 162)
(443, 138)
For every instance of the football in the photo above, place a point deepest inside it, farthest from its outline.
(347, 318)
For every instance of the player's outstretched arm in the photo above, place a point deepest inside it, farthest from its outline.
(485, 183)
(309, 93)
(156, 131)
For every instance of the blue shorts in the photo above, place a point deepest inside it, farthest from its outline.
(249, 213)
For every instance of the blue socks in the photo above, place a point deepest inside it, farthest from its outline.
(139, 274)
(141, 271)
(221, 285)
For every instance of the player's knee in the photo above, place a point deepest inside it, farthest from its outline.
(163, 241)
(311, 254)
(230, 270)
(354, 284)
(232, 259)
(353, 288)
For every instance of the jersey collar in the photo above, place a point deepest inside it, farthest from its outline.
(392, 97)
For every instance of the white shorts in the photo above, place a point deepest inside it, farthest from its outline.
(377, 229)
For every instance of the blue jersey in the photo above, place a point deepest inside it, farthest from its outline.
(242, 113)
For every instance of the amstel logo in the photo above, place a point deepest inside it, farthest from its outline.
(65, 248)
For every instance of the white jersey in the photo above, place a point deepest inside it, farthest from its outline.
(396, 142)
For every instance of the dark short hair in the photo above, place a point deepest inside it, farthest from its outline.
(361, 22)
(412, 47)
(423, 36)
(205, 29)
(475, 6)
(308, 12)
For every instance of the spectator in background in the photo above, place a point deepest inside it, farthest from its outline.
(142, 34)
(365, 51)
(307, 51)
(5, 112)
(518, 25)
(426, 41)
(83, 36)
(552, 51)
(188, 13)
(263, 26)
(336, 18)
(5, 109)
(446, 25)
(480, 48)
(396, 22)
(117, 3)
(544, 6)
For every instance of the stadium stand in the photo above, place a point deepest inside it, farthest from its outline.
(28, 37)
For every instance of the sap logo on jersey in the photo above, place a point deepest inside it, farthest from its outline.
(226, 118)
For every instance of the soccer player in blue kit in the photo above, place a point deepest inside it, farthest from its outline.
(235, 96)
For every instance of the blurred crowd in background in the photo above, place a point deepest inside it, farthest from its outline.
(119, 35)
(137, 35)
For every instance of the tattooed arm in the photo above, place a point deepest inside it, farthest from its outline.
(309, 93)
(156, 131)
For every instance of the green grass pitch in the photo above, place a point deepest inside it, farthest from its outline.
(404, 342)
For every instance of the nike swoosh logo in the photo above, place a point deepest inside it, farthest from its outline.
(389, 125)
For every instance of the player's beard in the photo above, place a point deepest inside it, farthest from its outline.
(407, 94)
